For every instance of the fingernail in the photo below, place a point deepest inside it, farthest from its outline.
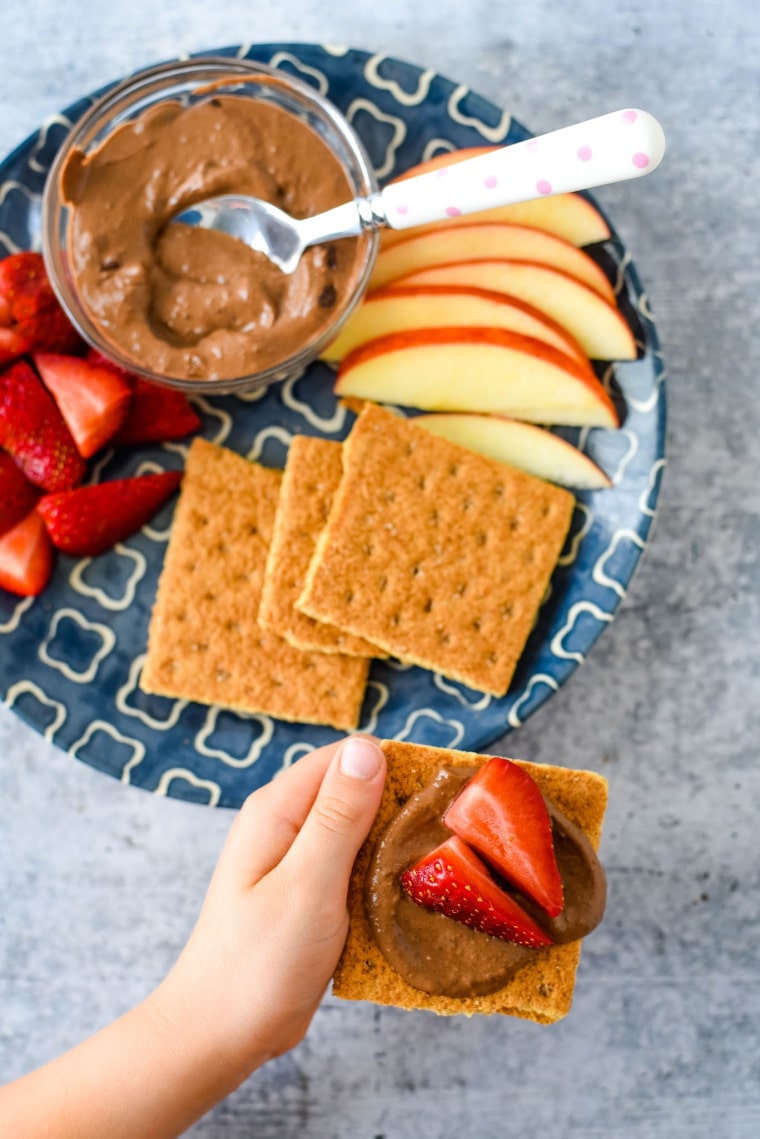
(360, 758)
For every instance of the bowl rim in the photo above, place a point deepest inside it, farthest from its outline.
(121, 94)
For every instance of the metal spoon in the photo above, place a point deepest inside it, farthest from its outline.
(612, 148)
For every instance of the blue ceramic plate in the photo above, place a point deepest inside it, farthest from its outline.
(70, 660)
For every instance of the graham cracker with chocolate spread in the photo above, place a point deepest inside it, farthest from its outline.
(313, 472)
(205, 642)
(541, 991)
(437, 554)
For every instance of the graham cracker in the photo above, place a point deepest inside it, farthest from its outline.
(353, 403)
(205, 643)
(543, 989)
(313, 472)
(437, 554)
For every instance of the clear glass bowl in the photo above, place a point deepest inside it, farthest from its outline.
(188, 81)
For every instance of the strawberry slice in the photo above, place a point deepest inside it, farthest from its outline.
(156, 415)
(453, 881)
(17, 495)
(30, 310)
(33, 431)
(92, 399)
(89, 520)
(26, 557)
(501, 813)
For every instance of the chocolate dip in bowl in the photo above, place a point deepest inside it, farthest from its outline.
(183, 306)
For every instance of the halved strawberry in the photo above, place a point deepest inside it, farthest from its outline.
(31, 310)
(17, 495)
(91, 519)
(26, 557)
(453, 881)
(501, 813)
(32, 430)
(155, 415)
(92, 399)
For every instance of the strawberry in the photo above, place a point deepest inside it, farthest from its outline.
(17, 495)
(501, 813)
(155, 415)
(33, 431)
(22, 281)
(453, 881)
(26, 557)
(91, 519)
(92, 399)
(30, 310)
(102, 361)
(12, 344)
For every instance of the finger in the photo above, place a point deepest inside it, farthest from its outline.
(326, 846)
(271, 817)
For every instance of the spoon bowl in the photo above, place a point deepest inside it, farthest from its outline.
(269, 229)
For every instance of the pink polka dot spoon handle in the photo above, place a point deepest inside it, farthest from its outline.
(625, 144)
(611, 148)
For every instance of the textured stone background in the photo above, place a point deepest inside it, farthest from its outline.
(99, 884)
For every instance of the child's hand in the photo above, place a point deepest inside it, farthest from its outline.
(247, 983)
(275, 920)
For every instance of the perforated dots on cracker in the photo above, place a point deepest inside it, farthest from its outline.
(205, 642)
(312, 475)
(439, 555)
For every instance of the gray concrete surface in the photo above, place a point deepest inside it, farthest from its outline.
(99, 884)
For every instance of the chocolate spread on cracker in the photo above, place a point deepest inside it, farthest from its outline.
(443, 957)
(193, 303)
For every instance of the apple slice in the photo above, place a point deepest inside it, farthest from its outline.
(443, 245)
(400, 307)
(438, 161)
(532, 449)
(599, 327)
(566, 215)
(476, 369)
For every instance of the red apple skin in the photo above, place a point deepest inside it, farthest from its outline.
(399, 289)
(428, 277)
(582, 267)
(419, 338)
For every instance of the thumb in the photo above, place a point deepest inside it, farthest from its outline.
(340, 819)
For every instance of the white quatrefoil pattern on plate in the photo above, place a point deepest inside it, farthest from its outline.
(70, 660)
